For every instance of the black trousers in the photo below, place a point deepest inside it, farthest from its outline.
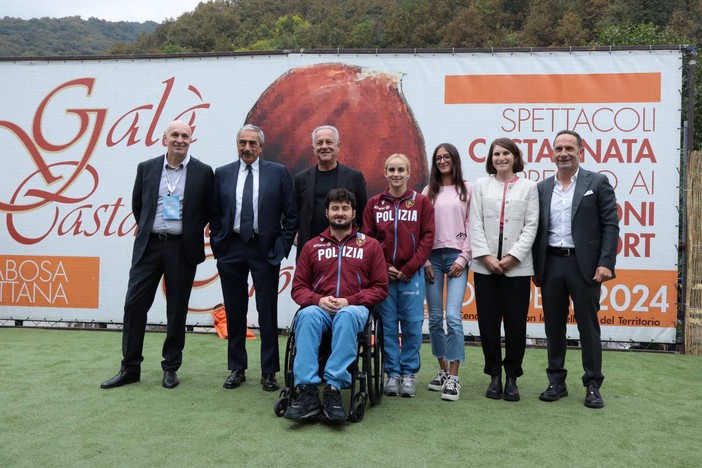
(160, 259)
(501, 298)
(234, 266)
(563, 281)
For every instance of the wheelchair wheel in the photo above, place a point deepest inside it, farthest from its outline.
(376, 380)
(281, 404)
(365, 361)
(289, 359)
(359, 408)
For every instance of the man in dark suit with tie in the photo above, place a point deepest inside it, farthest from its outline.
(252, 228)
(574, 253)
(171, 201)
(313, 184)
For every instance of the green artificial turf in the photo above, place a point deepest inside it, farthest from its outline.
(53, 413)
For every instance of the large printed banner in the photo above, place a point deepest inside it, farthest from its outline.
(73, 132)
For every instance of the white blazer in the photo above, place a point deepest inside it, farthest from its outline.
(520, 224)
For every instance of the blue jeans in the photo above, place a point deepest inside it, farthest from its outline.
(345, 326)
(450, 345)
(404, 307)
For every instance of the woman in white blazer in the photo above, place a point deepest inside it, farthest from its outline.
(504, 217)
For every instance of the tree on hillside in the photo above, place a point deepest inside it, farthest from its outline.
(657, 12)
(365, 35)
(473, 27)
(569, 31)
(65, 36)
(411, 24)
(639, 33)
(515, 13)
(212, 26)
(328, 26)
(541, 22)
(591, 14)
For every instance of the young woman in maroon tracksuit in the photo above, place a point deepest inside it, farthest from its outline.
(403, 222)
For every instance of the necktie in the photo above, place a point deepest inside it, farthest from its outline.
(246, 229)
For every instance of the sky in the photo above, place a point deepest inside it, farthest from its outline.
(110, 10)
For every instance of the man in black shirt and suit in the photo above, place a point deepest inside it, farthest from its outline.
(313, 184)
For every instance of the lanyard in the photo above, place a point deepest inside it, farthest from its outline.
(172, 187)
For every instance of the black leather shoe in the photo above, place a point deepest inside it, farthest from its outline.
(170, 379)
(269, 383)
(511, 390)
(235, 379)
(593, 398)
(122, 378)
(494, 390)
(554, 392)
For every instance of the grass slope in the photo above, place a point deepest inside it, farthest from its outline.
(53, 413)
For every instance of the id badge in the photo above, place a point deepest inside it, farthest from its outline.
(171, 207)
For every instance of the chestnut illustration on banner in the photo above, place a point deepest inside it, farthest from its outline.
(367, 106)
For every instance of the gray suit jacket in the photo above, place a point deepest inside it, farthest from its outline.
(196, 206)
(595, 224)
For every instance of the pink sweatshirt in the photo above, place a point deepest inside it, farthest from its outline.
(451, 228)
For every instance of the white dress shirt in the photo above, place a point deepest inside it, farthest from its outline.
(559, 228)
(241, 179)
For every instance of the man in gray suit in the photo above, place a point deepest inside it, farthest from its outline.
(171, 202)
(313, 184)
(253, 224)
(574, 253)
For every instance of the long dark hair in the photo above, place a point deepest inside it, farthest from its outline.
(456, 173)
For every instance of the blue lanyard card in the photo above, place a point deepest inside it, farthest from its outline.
(171, 207)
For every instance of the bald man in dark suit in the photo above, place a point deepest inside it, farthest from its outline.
(170, 202)
(574, 253)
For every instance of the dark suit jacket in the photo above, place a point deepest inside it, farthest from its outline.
(595, 224)
(197, 200)
(304, 196)
(277, 215)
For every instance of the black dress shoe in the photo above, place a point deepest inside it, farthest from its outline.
(170, 379)
(554, 392)
(494, 390)
(269, 383)
(593, 398)
(235, 379)
(511, 390)
(122, 378)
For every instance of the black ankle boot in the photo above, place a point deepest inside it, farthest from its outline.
(494, 390)
(511, 390)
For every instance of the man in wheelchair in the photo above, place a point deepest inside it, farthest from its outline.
(340, 274)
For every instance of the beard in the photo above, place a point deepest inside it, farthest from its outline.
(340, 224)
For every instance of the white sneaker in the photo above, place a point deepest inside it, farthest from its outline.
(408, 387)
(392, 386)
(438, 383)
(452, 389)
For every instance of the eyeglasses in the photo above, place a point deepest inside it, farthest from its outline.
(442, 157)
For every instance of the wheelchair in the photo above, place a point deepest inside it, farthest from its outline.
(367, 377)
